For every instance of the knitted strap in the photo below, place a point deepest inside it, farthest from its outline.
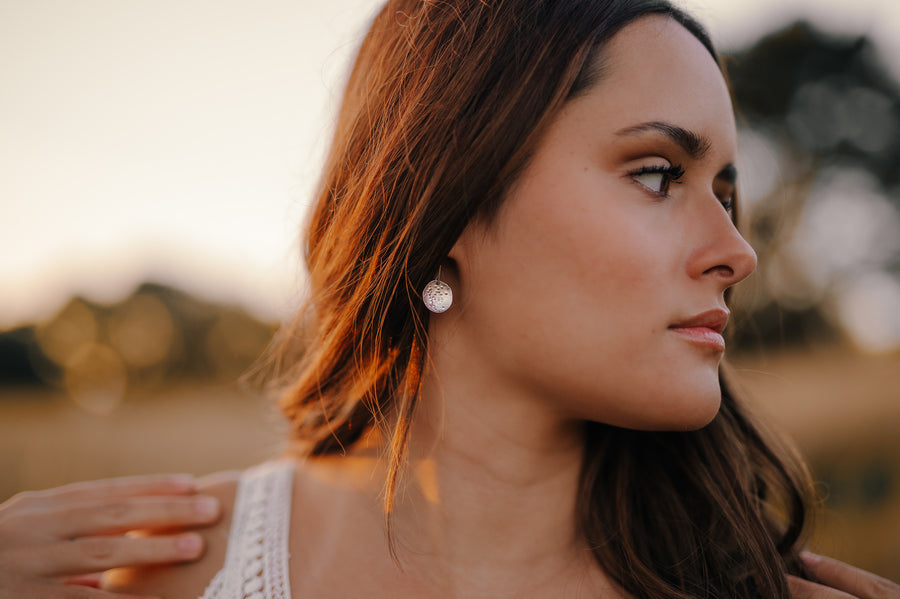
(256, 561)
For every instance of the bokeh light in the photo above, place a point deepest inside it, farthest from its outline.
(95, 378)
(141, 331)
(74, 328)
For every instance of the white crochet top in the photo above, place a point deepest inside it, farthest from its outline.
(256, 561)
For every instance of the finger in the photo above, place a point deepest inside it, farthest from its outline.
(113, 488)
(96, 554)
(86, 580)
(853, 580)
(804, 589)
(113, 517)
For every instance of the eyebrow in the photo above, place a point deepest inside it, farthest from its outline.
(694, 144)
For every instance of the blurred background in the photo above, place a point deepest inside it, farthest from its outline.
(156, 159)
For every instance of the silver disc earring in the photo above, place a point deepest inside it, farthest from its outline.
(437, 295)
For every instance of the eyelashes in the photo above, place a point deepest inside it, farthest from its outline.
(728, 205)
(658, 179)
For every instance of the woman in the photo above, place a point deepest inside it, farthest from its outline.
(566, 169)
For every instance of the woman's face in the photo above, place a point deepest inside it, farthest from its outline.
(600, 285)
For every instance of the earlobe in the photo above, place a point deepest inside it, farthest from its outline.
(459, 261)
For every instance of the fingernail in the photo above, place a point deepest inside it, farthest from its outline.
(182, 481)
(206, 507)
(189, 544)
(811, 559)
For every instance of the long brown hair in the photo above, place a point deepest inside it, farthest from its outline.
(443, 107)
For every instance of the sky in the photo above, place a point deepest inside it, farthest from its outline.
(180, 140)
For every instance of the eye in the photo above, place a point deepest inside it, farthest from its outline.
(655, 181)
(728, 204)
(658, 178)
(725, 193)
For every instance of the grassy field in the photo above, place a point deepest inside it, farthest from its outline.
(843, 412)
(842, 409)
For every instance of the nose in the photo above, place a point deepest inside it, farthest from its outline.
(723, 254)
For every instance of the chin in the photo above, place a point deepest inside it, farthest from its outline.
(641, 402)
(681, 412)
(698, 421)
(694, 398)
(688, 408)
(697, 411)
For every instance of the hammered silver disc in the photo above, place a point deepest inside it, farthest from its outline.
(437, 296)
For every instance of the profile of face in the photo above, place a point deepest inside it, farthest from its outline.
(599, 287)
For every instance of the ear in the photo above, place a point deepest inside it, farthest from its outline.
(459, 258)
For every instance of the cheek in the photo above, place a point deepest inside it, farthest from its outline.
(601, 256)
(605, 277)
(578, 271)
(576, 287)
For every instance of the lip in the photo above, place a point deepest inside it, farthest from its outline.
(704, 329)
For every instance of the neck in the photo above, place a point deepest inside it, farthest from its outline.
(488, 504)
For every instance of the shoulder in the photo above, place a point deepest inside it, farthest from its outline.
(187, 580)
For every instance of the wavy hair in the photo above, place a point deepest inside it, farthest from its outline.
(444, 105)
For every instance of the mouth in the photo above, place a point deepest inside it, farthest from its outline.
(704, 329)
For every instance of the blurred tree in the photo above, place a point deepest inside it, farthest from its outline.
(21, 361)
(823, 114)
(826, 98)
(158, 334)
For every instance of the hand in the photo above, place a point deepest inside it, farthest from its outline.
(54, 544)
(838, 580)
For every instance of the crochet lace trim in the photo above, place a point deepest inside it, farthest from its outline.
(256, 561)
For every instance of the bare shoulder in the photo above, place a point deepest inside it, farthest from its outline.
(187, 581)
